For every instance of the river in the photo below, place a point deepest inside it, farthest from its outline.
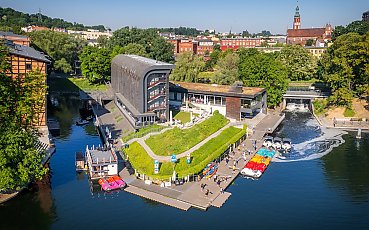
(330, 191)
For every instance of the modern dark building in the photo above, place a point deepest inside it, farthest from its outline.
(141, 89)
(366, 16)
(235, 102)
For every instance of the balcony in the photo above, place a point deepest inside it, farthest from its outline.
(151, 98)
(155, 83)
(159, 107)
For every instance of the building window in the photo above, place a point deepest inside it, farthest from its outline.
(28, 66)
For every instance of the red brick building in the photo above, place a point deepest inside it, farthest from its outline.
(187, 46)
(205, 47)
(235, 43)
(299, 36)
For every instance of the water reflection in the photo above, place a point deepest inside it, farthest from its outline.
(348, 167)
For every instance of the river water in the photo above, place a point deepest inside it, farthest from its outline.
(329, 191)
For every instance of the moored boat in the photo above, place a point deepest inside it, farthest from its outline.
(268, 141)
(82, 122)
(286, 144)
(277, 143)
(111, 183)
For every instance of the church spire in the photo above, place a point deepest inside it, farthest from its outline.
(296, 19)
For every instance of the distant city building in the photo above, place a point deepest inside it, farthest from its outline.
(205, 47)
(141, 89)
(301, 36)
(15, 38)
(235, 43)
(33, 28)
(316, 51)
(90, 34)
(366, 16)
(187, 45)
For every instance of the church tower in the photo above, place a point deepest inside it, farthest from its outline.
(296, 20)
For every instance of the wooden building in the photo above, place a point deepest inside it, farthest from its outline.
(25, 59)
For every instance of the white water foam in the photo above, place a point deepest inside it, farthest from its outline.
(331, 137)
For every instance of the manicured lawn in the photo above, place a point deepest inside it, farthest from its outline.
(177, 140)
(184, 117)
(85, 85)
(142, 162)
(143, 131)
(71, 84)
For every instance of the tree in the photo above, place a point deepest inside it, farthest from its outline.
(102, 41)
(58, 46)
(227, 69)
(360, 27)
(300, 64)
(132, 48)
(155, 46)
(188, 67)
(346, 67)
(19, 105)
(309, 42)
(263, 70)
(95, 64)
(214, 56)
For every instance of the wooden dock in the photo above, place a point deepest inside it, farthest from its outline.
(158, 198)
(221, 199)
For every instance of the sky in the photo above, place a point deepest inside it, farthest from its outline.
(221, 15)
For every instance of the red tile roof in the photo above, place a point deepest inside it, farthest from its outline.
(313, 32)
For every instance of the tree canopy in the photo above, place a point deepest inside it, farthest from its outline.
(300, 64)
(96, 64)
(227, 69)
(346, 67)
(360, 27)
(15, 19)
(61, 47)
(188, 67)
(263, 70)
(155, 46)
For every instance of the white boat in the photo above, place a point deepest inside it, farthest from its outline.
(291, 106)
(82, 122)
(286, 144)
(268, 141)
(277, 143)
(251, 173)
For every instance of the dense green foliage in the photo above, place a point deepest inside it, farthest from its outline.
(19, 105)
(181, 31)
(188, 67)
(155, 46)
(300, 64)
(143, 131)
(61, 47)
(360, 27)
(95, 64)
(320, 106)
(169, 142)
(263, 70)
(131, 48)
(346, 67)
(227, 69)
(16, 19)
(211, 150)
(349, 112)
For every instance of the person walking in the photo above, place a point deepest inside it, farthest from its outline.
(218, 182)
(227, 160)
(206, 192)
(221, 190)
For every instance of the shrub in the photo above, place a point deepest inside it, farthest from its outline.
(349, 112)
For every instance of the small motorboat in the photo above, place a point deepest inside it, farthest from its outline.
(277, 143)
(286, 144)
(251, 173)
(111, 183)
(82, 122)
(268, 141)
